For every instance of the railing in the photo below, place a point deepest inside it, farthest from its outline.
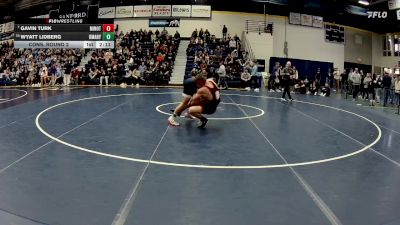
(259, 26)
(247, 47)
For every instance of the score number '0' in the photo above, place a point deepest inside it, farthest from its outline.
(108, 27)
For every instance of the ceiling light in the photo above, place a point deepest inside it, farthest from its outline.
(363, 2)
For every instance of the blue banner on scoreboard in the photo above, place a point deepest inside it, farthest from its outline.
(164, 22)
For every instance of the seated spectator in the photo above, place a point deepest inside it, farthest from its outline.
(326, 90)
(93, 75)
(300, 87)
(313, 88)
(245, 80)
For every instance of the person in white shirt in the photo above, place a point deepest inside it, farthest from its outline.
(336, 77)
(43, 75)
(222, 76)
(397, 89)
(232, 44)
(356, 81)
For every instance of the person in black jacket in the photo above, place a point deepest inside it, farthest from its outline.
(224, 32)
(386, 83)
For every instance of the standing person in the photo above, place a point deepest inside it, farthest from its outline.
(391, 92)
(287, 72)
(318, 80)
(386, 83)
(222, 75)
(362, 89)
(52, 73)
(256, 76)
(43, 75)
(355, 78)
(367, 82)
(377, 82)
(58, 75)
(224, 32)
(67, 73)
(294, 79)
(329, 79)
(397, 89)
(336, 77)
(273, 77)
(371, 90)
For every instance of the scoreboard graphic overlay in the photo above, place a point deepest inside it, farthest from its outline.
(64, 33)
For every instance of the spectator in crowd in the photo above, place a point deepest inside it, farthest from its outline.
(273, 77)
(355, 78)
(387, 84)
(313, 88)
(256, 76)
(245, 80)
(300, 87)
(318, 79)
(43, 75)
(222, 76)
(377, 83)
(337, 79)
(366, 83)
(326, 90)
(67, 73)
(371, 89)
(397, 89)
(391, 92)
(224, 32)
(329, 78)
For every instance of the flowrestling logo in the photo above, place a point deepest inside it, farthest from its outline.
(164, 22)
(377, 14)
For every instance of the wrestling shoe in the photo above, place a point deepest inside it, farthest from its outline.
(202, 123)
(172, 122)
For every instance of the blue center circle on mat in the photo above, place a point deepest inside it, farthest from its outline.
(366, 147)
(174, 104)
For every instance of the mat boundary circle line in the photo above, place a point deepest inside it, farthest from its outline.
(204, 166)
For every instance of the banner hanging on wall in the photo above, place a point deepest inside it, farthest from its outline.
(124, 11)
(9, 27)
(161, 10)
(306, 20)
(318, 21)
(295, 18)
(142, 11)
(181, 10)
(394, 4)
(164, 22)
(201, 11)
(106, 12)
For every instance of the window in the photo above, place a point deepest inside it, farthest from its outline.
(396, 42)
(387, 45)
